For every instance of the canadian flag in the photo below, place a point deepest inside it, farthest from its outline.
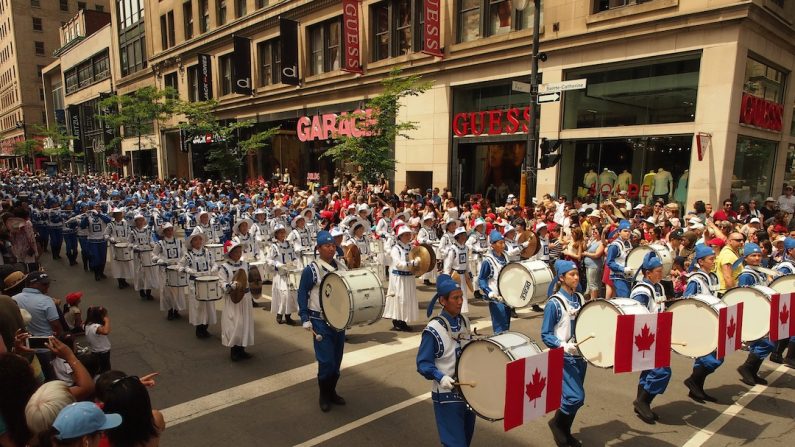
(643, 342)
(730, 329)
(781, 324)
(533, 386)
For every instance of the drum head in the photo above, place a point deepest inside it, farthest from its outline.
(335, 301)
(598, 318)
(756, 309)
(783, 284)
(695, 322)
(519, 285)
(635, 256)
(532, 247)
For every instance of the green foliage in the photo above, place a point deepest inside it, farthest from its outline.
(138, 111)
(60, 140)
(373, 154)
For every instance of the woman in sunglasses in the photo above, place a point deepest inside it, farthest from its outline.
(127, 395)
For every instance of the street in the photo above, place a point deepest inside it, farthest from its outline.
(271, 400)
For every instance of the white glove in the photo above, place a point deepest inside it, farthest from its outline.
(628, 271)
(447, 383)
(113, 240)
(234, 285)
(307, 325)
(495, 296)
(416, 261)
(282, 269)
(570, 348)
(526, 244)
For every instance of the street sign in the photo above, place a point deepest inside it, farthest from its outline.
(520, 86)
(553, 87)
(553, 97)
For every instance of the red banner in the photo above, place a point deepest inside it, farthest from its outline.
(761, 113)
(432, 32)
(350, 36)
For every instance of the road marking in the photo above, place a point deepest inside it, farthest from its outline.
(718, 423)
(363, 421)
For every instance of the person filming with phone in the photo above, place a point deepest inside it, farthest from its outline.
(44, 315)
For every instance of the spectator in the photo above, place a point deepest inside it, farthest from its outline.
(726, 212)
(71, 312)
(592, 260)
(81, 424)
(15, 370)
(127, 395)
(10, 319)
(42, 409)
(727, 273)
(786, 201)
(769, 210)
(44, 315)
(97, 330)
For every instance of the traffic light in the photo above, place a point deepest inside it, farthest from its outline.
(548, 156)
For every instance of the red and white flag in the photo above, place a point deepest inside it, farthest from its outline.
(533, 386)
(781, 324)
(643, 342)
(730, 329)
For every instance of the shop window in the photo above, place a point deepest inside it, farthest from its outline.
(493, 169)
(225, 70)
(789, 167)
(483, 18)
(753, 169)
(324, 47)
(764, 81)
(419, 179)
(187, 19)
(397, 29)
(270, 67)
(652, 91)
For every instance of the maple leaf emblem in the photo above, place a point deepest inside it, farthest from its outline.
(644, 340)
(535, 387)
(730, 328)
(784, 315)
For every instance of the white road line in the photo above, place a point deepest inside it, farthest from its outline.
(363, 421)
(718, 423)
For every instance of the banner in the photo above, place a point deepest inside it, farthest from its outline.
(781, 326)
(432, 34)
(75, 128)
(205, 77)
(643, 342)
(288, 44)
(533, 386)
(730, 329)
(350, 36)
(241, 66)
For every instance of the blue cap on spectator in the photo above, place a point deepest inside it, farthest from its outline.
(789, 243)
(83, 418)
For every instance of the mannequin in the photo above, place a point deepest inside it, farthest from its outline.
(590, 179)
(663, 184)
(647, 188)
(624, 180)
(680, 194)
(607, 177)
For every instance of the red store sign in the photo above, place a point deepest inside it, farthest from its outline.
(350, 36)
(331, 125)
(760, 112)
(491, 122)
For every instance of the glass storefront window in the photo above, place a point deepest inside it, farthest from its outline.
(491, 169)
(763, 81)
(789, 168)
(753, 169)
(651, 91)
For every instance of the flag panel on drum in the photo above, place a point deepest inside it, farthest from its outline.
(781, 326)
(730, 326)
(533, 387)
(643, 342)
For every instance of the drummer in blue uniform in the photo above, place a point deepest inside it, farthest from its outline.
(616, 260)
(558, 330)
(329, 343)
(702, 281)
(786, 267)
(490, 269)
(649, 292)
(440, 347)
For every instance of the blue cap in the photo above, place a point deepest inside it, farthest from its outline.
(324, 237)
(789, 243)
(651, 261)
(563, 267)
(623, 225)
(495, 236)
(83, 418)
(702, 251)
(444, 285)
(750, 248)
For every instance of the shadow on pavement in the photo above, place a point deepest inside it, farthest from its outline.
(378, 337)
(604, 434)
(685, 412)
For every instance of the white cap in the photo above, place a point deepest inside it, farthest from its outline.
(403, 230)
(336, 232)
(639, 206)
(754, 220)
(694, 220)
(696, 226)
(459, 230)
(595, 213)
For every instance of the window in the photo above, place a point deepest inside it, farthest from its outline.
(39, 70)
(753, 168)
(39, 48)
(85, 74)
(193, 83)
(101, 66)
(170, 81)
(324, 47)
(81, 5)
(167, 35)
(37, 24)
(41, 94)
(269, 62)
(204, 17)
(261, 3)
(71, 81)
(64, 5)
(240, 8)
(764, 81)
(35, 3)
(99, 8)
(606, 5)
(220, 12)
(483, 18)
(132, 36)
(394, 34)
(187, 19)
(225, 71)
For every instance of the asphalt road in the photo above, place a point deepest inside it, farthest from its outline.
(272, 399)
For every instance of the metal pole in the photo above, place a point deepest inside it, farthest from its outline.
(531, 155)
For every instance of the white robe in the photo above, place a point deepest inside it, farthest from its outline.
(283, 300)
(199, 263)
(116, 233)
(237, 321)
(169, 252)
(146, 278)
(401, 299)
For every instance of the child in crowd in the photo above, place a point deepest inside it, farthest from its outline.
(97, 330)
(71, 312)
(679, 276)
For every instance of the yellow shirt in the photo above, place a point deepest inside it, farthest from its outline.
(727, 256)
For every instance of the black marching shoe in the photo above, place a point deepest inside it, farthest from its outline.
(573, 442)
(325, 403)
(279, 319)
(177, 316)
(201, 331)
(396, 325)
(170, 315)
(777, 356)
(405, 326)
(558, 427)
(288, 320)
(335, 398)
(750, 369)
(642, 406)
(426, 282)
(142, 294)
(149, 297)
(97, 276)
(122, 283)
(789, 359)
(695, 383)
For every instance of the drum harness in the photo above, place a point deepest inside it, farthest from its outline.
(569, 310)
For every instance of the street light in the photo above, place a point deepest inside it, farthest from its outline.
(532, 131)
(24, 127)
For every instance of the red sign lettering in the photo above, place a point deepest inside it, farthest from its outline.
(350, 34)
(760, 112)
(432, 28)
(492, 122)
(332, 126)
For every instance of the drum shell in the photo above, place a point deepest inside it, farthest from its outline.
(524, 283)
(255, 277)
(122, 252)
(351, 298)
(217, 250)
(483, 362)
(294, 278)
(635, 257)
(145, 257)
(599, 317)
(783, 284)
(695, 323)
(208, 288)
(176, 278)
(756, 309)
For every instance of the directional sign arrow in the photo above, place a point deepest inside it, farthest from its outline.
(552, 97)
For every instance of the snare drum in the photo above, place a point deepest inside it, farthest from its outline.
(307, 258)
(635, 257)
(695, 322)
(376, 246)
(145, 257)
(176, 278)
(217, 251)
(524, 283)
(294, 278)
(352, 297)
(122, 252)
(599, 318)
(756, 309)
(783, 284)
(474, 264)
(255, 276)
(483, 362)
(208, 288)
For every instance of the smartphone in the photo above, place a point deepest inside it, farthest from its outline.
(37, 342)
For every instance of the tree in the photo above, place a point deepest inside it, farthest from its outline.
(36, 145)
(372, 152)
(228, 150)
(27, 149)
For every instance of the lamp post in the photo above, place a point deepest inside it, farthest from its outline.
(24, 127)
(532, 132)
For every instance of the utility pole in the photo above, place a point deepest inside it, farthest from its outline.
(532, 132)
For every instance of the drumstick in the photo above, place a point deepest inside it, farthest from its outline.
(472, 384)
(678, 343)
(318, 337)
(585, 339)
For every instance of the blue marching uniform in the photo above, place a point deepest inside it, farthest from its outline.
(97, 246)
(55, 231)
(487, 280)
(70, 240)
(654, 381)
(750, 277)
(615, 260)
(703, 283)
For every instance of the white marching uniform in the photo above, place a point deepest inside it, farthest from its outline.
(513, 250)
(146, 278)
(427, 235)
(211, 235)
(457, 260)
(169, 252)
(445, 242)
(116, 233)
(283, 300)
(237, 321)
(198, 263)
(401, 299)
(301, 242)
(363, 244)
(250, 246)
(478, 243)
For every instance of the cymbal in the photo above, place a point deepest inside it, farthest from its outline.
(532, 247)
(241, 277)
(427, 259)
(457, 278)
(353, 257)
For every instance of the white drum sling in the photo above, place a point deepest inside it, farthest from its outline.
(695, 325)
(352, 297)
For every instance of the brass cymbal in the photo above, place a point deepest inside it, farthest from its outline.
(427, 259)
(241, 277)
(353, 257)
(532, 247)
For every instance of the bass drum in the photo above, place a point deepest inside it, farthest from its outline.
(599, 318)
(352, 297)
(483, 362)
(524, 283)
(695, 323)
(783, 284)
(756, 309)
(635, 257)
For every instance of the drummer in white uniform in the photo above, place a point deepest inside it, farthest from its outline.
(300, 239)
(118, 232)
(281, 258)
(457, 260)
(401, 300)
(490, 270)
(478, 244)
(199, 261)
(442, 341)
(427, 235)
(237, 321)
(384, 225)
(167, 252)
(513, 249)
(262, 229)
(358, 237)
(448, 238)
(243, 237)
(146, 277)
(206, 226)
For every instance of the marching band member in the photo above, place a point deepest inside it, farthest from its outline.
(649, 292)
(357, 237)
(168, 251)
(70, 235)
(758, 350)
(786, 267)
(278, 218)
(478, 244)
(55, 229)
(616, 260)
(401, 299)
(442, 341)
(198, 261)
(82, 233)
(206, 226)
(141, 238)
(237, 321)
(300, 238)
(384, 225)
(513, 249)
(117, 232)
(457, 260)
(246, 241)
(339, 255)
(427, 235)
(329, 343)
(281, 258)
(702, 282)
(363, 211)
(558, 330)
(448, 238)
(95, 222)
(543, 241)
(262, 228)
(490, 269)
(311, 225)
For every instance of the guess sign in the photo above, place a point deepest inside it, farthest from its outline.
(331, 125)
(432, 28)
(492, 122)
(350, 32)
(760, 112)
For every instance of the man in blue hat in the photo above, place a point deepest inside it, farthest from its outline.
(786, 267)
(329, 343)
(95, 222)
(82, 423)
(558, 330)
(649, 292)
(616, 260)
(490, 269)
(442, 341)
